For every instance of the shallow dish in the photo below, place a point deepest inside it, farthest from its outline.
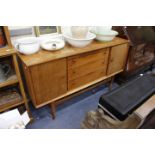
(52, 44)
(80, 42)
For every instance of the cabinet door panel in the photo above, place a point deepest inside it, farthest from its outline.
(118, 56)
(49, 80)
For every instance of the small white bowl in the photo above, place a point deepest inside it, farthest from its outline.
(28, 45)
(79, 42)
(106, 35)
(52, 44)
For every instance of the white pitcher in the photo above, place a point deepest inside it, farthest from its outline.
(101, 29)
(79, 32)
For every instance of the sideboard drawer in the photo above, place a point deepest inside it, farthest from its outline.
(81, 81)
(86, 68)
(82, 59)
(74, 73)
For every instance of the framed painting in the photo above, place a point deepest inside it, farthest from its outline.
(46, 30)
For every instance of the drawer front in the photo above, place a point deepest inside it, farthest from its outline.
(83, 70)
(86, 68)
(82, 59)
(86, 79)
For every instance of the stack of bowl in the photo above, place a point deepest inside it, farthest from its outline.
(78, 36)
(104, 33)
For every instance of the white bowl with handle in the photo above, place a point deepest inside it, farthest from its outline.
(80, 42)
(27, 45)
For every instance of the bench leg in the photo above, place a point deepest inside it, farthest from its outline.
(53, 110)
(111, 82)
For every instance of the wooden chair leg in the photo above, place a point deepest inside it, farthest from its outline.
(53, 110)
(111, 82)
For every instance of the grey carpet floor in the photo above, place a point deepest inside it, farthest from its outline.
(71, 113)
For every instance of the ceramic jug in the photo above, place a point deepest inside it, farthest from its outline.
(4, 71)
(101, 29)
(79, 32)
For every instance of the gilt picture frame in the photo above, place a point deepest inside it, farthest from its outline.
(46, 30)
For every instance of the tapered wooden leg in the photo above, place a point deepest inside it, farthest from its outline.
(53, 110)
(111, 82)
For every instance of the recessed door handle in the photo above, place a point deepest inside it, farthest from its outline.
(111, 60)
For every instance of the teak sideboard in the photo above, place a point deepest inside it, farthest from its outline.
(52, 76)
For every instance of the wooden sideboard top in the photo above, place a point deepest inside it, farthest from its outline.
(44, 56)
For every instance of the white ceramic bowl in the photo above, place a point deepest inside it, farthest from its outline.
(28, 45)
(106, 35)
(80, 42)
(52, 44)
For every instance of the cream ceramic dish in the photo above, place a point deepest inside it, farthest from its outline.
(105, 35)
(52, 44)
(80, 42)
(28, 45)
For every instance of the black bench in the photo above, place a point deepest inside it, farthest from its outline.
(124, 100)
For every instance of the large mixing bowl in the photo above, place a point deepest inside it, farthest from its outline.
(79, 42)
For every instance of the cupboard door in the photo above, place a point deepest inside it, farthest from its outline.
(117, 60)
(49, 80)
(86, 68)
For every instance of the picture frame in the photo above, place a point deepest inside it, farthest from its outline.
(17, 32)
(46, 30)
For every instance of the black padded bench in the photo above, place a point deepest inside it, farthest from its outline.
(124, 100)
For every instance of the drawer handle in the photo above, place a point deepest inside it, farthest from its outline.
(73, 61)
(112, 60)
(74, 72)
